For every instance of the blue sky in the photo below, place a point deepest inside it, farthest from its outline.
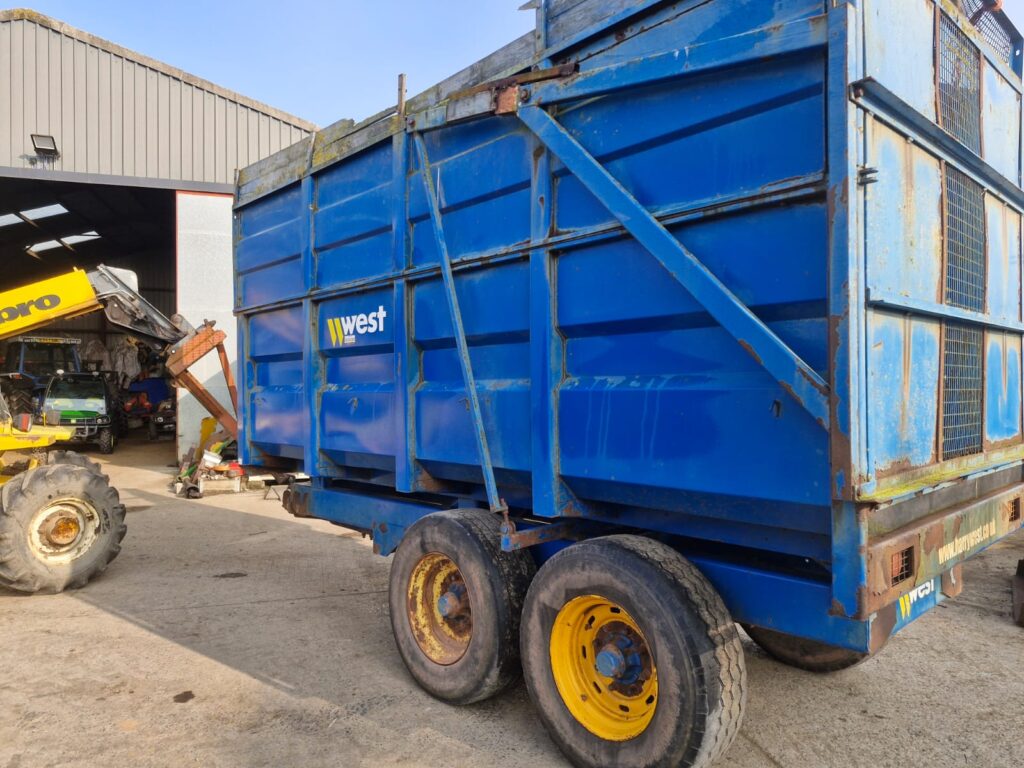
(317, 59)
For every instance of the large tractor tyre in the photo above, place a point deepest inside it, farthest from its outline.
(631, 657)
(809, 655)
(106, 441)
(456, 600)
(60, 526)
(75, 459)
(19, 401)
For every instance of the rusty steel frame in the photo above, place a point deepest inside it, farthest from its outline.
(186, 354)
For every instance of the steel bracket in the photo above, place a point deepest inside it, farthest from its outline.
(512, 539)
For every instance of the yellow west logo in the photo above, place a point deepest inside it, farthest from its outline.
(907, 601)
(346, 330)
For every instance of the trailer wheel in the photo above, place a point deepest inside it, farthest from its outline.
(455, 602)
(60, 526)
(809, 655)
(631, 657)
(74, 458)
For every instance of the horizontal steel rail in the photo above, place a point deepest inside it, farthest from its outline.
(794, 37)
(804, 187)
(887, 107)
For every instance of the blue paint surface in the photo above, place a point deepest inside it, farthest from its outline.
(684, 310)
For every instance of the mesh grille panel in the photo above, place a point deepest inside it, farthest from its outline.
(990, 29)
(959, 84)
(965, 241)
(961, 402)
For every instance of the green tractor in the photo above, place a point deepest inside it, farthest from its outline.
(61, 523)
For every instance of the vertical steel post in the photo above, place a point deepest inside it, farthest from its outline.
(406, 357)
(312, 367)
(495, 503)
(846, 311)
(546, 353)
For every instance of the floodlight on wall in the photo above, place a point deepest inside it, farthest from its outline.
(45, 146)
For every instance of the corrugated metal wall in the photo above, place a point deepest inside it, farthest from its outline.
(114, 112)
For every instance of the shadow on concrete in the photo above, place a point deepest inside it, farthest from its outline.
(301, 607)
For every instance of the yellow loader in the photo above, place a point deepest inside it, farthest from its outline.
(61, 522)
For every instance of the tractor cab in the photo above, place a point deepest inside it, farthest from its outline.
(28, 364)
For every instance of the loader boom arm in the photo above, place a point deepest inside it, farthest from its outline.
(116, 293)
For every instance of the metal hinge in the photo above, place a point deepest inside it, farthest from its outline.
(867, 175)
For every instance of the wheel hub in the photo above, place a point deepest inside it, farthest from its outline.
(60, 529)
(439, 609)
(452, 604)
(621, 655)
(603, 668)
(63, 530)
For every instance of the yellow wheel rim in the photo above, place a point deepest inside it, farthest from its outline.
(604, 668)
(438, 609)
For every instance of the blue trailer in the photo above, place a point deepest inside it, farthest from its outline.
(672, 315)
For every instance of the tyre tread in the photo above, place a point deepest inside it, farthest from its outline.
(14, 573)
(722, 726)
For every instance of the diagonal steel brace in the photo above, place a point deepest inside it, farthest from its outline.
(795, 376)
(496, 504)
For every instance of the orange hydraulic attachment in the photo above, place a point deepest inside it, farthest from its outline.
(192, 349)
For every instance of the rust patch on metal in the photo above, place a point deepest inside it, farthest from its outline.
(536, 76)
(953, 581)
(894, 468)
(822, 388)
(934, 538)
(791, 392)
(506, 101)
(750, 350)
(844, 487)
(940, 542)
(881, 627)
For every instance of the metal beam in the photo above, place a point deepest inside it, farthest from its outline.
(795, 376)
(495, 503)
(890, 109)
(794, 37)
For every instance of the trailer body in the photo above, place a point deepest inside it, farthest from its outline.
(743, 274)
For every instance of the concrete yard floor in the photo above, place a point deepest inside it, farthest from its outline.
(230, 634)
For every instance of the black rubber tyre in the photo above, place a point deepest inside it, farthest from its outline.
(809, 655)
(495, 584)
(106, 441)
(22, 502)
(74, 458)
(151, 432)
(693, 642)
(19, 401)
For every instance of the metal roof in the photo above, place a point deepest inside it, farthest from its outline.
(117, 113)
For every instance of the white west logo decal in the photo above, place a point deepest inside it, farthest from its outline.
(346, 330)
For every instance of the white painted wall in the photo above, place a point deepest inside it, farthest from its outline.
(205, 292)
